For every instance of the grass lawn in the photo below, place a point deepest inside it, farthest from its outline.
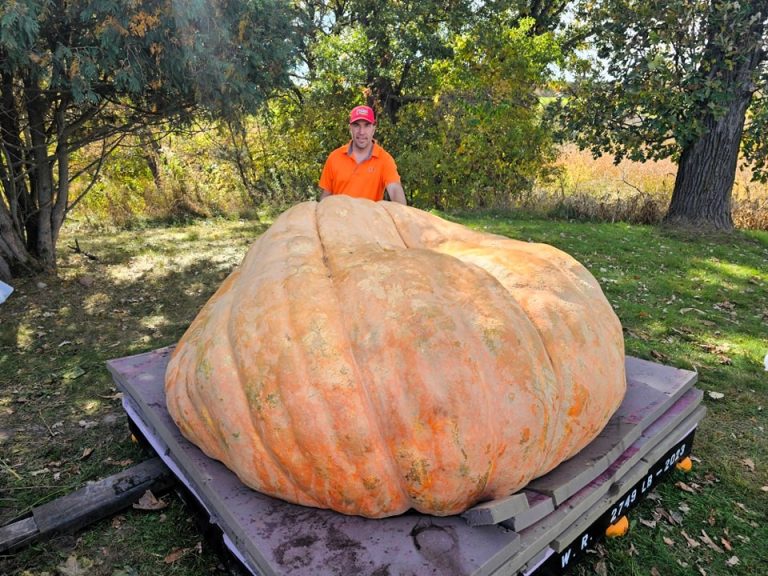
(699, 303)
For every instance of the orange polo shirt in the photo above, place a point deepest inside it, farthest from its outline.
(343, 175)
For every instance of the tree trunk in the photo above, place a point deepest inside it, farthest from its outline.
(705, 176)
(707, 169)
(41, 221)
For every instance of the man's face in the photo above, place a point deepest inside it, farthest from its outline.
(362, 134)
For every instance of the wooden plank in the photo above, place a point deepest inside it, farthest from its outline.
(657, 431)
(558, 529)
(579, 524)
(497, 510)
(18, 534)
(651, 390)
(652, 439)
(99, 499)
(275, 537)
(539, 505)
(689, 424)
(96, 500)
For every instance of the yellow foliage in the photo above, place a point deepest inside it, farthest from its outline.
(142, 22)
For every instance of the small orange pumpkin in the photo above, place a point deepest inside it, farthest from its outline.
(371, 357)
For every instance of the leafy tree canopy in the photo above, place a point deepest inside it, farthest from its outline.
(662, 70)
(684, 79)
(78, 72)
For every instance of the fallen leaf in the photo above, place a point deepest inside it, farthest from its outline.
(149, 502)
(88, 424)
(691, 542)
(648, 523)
(670, 516)
(655, 571)
(86, 453)
(708, 541)
(747, 510)
(724, 360)
(601, 568)
(72, 373)
(726, 544)
(75, 566)
(686, 310)
(632, 550)
(684, 508)
(732, 561)
(668, 541)
(749, 463)
(126, 571)
(715, 395)
(659, 356)
(764, 488)
(684, 487)
(176, 554)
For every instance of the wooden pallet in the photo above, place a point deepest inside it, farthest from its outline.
(543, 528)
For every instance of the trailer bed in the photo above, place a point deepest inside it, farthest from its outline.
(543, 529)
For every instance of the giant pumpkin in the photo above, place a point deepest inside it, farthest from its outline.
(371, 357)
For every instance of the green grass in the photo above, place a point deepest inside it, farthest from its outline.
(699, 303)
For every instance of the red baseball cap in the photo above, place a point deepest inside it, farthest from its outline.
(362, 113)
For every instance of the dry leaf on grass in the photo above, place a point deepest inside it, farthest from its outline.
(685, 487)
(708, 541)
(686, 310)
(659, 356)
(715, 395)
(601, 568)
(749, 464)
(732, 561)
(149, 502)
(176, 554)
(668, 541)
(75, 566)
(691, 542)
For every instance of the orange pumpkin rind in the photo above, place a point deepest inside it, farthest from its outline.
(371, 358)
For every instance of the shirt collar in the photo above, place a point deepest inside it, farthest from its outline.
(373, 153)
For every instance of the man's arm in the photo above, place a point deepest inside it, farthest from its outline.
(396, 193)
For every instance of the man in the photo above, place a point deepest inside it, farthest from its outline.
(361, 168)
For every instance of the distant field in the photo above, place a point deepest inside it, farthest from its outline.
(635, 191)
